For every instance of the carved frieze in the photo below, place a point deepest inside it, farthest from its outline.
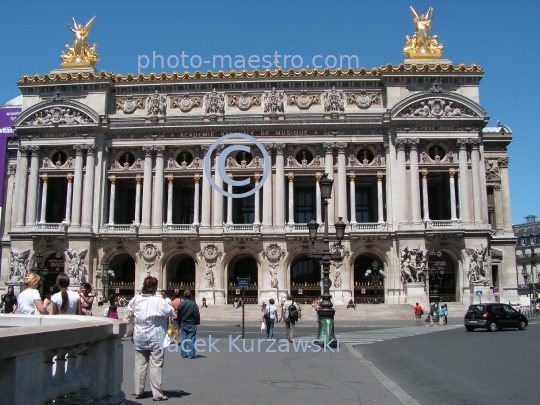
(58, 116)
(334, 101)
(363, 99)
(47, 164)
(173, 164)
(18, 266)
(129, 104)
(413, 265)
(303, 100)
(214, 103)
(492, 170)
(273, 102)
(186, 103)
(437, 108)
(156, 105)
(244, 102)
(149, 253)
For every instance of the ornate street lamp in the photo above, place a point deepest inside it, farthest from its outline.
(105, 276)
(326, 311)
(375, 278)
(533, 281)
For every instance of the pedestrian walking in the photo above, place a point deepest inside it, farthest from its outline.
(204, 305)
(432, 309)
(87, 298)
(9, 301)
(291, 317)
(269, 318)
(29, 300)
(283, 297)
(441, 315)
(112, 309)
(188, 319)
(418, 312)
(65, 302)
(174, 323)
(446, 314)
(282, 314)
(164, 296)
(150, 314)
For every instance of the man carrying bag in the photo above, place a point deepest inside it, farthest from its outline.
(291, 317)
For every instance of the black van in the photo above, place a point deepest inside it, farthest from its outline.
(494, 317)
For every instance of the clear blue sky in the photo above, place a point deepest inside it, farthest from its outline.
(501, 36)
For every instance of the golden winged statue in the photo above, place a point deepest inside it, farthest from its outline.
(422, 45)
(80, 54)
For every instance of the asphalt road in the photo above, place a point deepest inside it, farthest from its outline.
(457, 367)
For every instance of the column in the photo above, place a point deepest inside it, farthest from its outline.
(111, 200)
(89, 185)
(147, 187)
(476, 182)
(158, 188)
(464, 190)
(342, 181)
(68, 197)
(170, 188)
(505, 194)
(33, 184)
(415, 181)
(352, 190)
(196, 202)
(257, 216)
(42, 219)
(318, 203)
(77, 186)
(218, 197)
(22, 178)
(280, 185)
(453, 211)
(11, 210)
(137, 220)
(267, 193)
(206, 193)
(291, 198)
(380, 198)
(329, 168)
(425, 195)
(99, 183)
(229, 201)
(401, 191)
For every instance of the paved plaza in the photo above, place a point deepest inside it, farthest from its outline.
(358, 374)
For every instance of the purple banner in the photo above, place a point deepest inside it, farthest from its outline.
(7, 117)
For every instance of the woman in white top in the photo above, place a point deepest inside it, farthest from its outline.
(270, 317)
(29, 300)
(65, 302)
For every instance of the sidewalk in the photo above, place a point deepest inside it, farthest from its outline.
(230, 377)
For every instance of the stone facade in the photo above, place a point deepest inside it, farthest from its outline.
(113, 165)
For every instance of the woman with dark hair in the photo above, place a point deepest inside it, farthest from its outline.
(270, 317)
(87, 298)
(65, 302)
(150, 313)
(113, 307)
(9, 301)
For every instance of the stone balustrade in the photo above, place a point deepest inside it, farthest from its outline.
(65, 358)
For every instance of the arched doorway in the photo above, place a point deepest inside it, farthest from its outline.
(365, 291)
(447, 286)
(243, 267)
(181, 275)
(55, 264)
(306, 275)
(123, 282)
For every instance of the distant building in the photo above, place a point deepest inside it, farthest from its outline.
(527, 252)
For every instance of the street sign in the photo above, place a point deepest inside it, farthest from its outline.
(300, 292)
(363, 290)
(243, 282)
(479, 293)
(238, 291)
(176, 290)
(117, 290)
(495, 289)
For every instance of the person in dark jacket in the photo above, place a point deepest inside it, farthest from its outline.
(188, 319)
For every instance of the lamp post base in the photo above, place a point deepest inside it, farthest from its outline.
(325, 334)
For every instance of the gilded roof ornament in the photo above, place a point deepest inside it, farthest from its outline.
(422, 45)
(80, 54)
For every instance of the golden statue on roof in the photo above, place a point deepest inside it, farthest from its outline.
(421, 45)
(80, 54)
